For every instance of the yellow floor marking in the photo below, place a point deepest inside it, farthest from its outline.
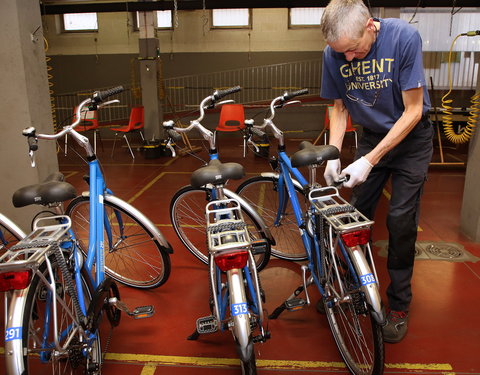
(152, 360)
(151, 183)
(149, 369)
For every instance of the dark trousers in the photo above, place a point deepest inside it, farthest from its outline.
(407, 166)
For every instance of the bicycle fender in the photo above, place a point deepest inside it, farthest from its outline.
(11, 226)
(244, 204)
(241, 321)
(142, 218)
(13, 347)
(369, 288)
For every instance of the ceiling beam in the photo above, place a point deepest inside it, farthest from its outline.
(132, 6)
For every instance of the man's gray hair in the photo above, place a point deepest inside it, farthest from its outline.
(344, 18)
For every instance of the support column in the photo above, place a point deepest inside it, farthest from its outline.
(149, 73)
(24, 102)
(470, 215)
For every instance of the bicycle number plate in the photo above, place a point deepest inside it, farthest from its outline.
(239, 309)
(367, 279)
(13, 333)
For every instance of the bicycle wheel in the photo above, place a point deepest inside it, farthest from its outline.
(41, 356)
(357, 335)
(262, 194)
(132, 256)
(187, 213)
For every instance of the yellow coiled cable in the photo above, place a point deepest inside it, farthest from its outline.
(447, 117)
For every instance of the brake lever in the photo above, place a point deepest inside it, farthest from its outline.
(108, 103)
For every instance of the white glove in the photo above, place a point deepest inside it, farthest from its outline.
(332, 171)
(357, 171)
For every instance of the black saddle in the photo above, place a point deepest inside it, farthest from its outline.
(310, 154)
(53, 190)
(216, 173)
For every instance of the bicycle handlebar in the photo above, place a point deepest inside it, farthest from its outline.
(95, 102)
(209, 102)
(279, 102)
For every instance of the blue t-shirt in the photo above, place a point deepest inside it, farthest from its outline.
(394, 64)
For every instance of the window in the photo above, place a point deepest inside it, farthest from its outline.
(163, 19)
(231, 18)
(80, 22)
(301, 17)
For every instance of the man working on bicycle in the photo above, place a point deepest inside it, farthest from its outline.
(372, 69)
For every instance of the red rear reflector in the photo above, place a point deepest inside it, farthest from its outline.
(231, 260)
(358, 237)
(15, 280)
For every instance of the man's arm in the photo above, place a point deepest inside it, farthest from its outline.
(338, 123)
(413, 102)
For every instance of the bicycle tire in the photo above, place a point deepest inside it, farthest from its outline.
(187, 214)
(262, 194)
(71, 360)
(133, 258)
(357, 335)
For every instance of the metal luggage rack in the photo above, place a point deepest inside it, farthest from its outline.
(30, 252)
(340, 214)
(226, 229)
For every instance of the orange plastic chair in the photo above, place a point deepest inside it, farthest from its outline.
(135, 124)
(88, 122)
(350, 127)
(232, 118)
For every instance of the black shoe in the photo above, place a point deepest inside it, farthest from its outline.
(395, 327)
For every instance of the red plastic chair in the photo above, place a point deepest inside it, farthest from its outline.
(350, 127)
(135, 124)
(232, 118)
(88, 122)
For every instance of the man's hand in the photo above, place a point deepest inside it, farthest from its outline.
(332, 171)
(357, 171)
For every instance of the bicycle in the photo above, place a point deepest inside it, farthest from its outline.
(335, 239)
(236, 295)
(57, 300)
(187, 207)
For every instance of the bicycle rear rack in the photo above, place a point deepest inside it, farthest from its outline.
(31, 251)
(340, 214)
(226, 229)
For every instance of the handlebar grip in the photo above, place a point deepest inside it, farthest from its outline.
(291, 95)
(222, 93)
(100, 96)
(174, 135)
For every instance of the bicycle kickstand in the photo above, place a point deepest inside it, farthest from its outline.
(294, 303)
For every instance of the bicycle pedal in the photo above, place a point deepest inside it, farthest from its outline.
(142, 312)
(295, 304)
(260, 246)
(207, 324)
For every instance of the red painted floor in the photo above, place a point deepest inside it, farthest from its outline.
(444, 333)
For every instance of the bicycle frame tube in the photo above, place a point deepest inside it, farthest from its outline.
(96, 240)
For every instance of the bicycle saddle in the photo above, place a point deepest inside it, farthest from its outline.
(53, 190)
(216, 173)
(310, 154)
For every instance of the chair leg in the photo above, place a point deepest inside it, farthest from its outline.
(128, 144)
(114, 141)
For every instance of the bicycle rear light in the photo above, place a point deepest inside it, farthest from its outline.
(358, 237)
(228, 261)
(15, 280)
